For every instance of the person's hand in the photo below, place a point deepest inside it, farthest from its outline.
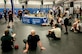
(43, 48)
(25, 51)
(13, 35)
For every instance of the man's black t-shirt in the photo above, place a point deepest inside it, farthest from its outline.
(6, 43)
(32, 41)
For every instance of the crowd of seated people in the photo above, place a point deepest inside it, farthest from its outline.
(33, 39)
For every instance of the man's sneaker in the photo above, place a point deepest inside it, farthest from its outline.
(66, 33)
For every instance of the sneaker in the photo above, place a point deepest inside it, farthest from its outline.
(71, 30)
(66, 33)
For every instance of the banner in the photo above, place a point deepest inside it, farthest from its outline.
(34, 20)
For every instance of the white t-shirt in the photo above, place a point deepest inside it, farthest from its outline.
(57, 32)
(67, 15)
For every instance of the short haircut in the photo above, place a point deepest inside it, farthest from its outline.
(6, 32)
(8, 26)
(56, 25)
(67, 8)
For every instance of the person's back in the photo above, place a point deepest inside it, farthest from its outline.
(6, 42)
(67, 14)
(57, 32)
(10, 30)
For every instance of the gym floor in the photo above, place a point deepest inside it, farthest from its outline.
(69, 44)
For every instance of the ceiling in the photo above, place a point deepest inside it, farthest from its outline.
(37, 2)
(33, 3)
(56, 1)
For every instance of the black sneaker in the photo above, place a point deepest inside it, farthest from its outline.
(66, 33)
(72, 30)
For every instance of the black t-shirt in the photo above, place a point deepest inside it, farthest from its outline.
(6, 43)
(32, 41)
(10, 16)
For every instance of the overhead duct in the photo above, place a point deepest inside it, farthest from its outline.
(34, 3)
(48, 3)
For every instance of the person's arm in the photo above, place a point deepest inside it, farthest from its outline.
(77, 27)
(26, 45)
(40, 45)
(1, 38)
(26, 50)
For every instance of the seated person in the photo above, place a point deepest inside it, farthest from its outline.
(75, 26)
(55, 33)
(50, 34)
(32, 42)
(12, 34)
(11, 31)
(7, 41)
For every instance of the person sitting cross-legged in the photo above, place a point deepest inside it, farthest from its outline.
(55, 33)
(7, 41)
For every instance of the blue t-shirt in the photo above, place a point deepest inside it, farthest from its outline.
(10, 31)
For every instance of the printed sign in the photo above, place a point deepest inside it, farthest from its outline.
(45, 20)
(31, 20)
(35, 21)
